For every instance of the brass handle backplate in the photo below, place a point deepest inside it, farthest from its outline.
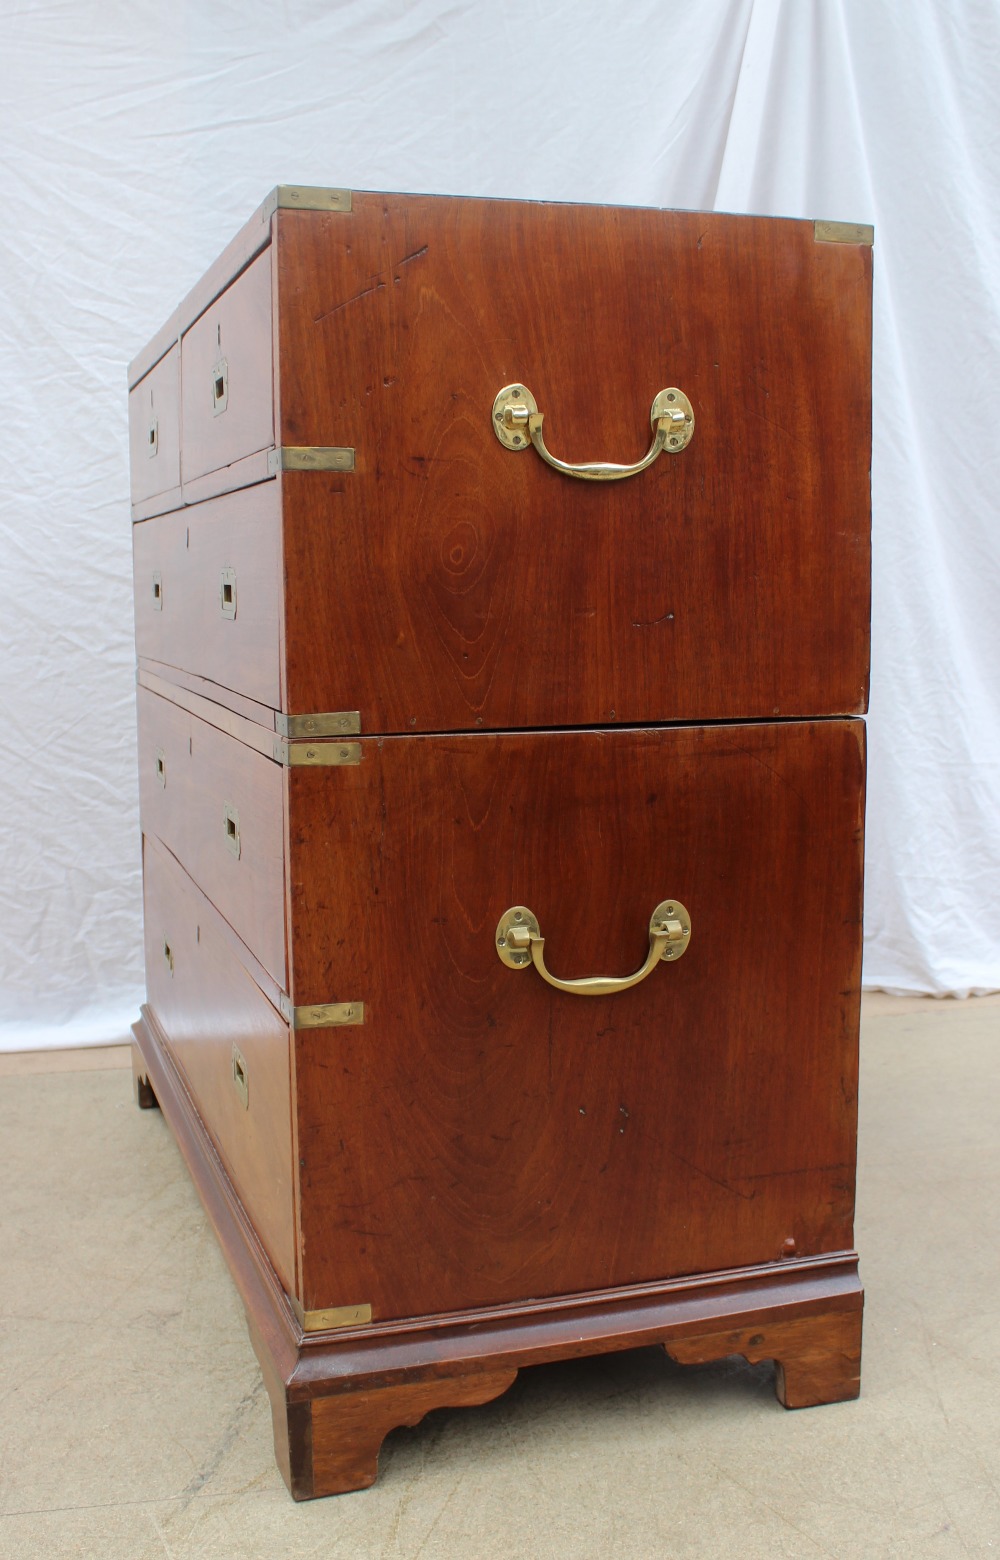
(517, 422)
(520, 943)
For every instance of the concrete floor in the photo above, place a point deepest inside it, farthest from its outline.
(134, 1423)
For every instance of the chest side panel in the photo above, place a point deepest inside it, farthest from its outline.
(474, 584)
(482, 1137)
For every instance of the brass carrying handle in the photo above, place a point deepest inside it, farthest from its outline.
(517, 421)
(520, 942)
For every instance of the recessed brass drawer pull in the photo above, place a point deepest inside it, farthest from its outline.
(220, 387)
(241, 1079)
(520, 942)
(227, 593)
(517, 421)
(231, 829)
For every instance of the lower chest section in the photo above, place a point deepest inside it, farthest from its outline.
(474, 1122)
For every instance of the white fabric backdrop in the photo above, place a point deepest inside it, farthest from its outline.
(137, 137)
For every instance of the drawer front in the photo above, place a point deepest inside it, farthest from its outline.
(221, 1030)
(154, 432)
(217, 805)
(532, 1141)
(478, 586)
(226, 376)
(207, 583)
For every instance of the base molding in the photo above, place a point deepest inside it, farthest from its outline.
(336, 1395)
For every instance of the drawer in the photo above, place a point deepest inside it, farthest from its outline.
(220, 1027)
(535, 1141)
(227, 397)
(207, 584)
(217, 806)
(154, 433)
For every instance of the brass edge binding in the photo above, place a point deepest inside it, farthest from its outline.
(290, 753)
(321, 1015)
(334, 723)
(306, 197)
(309, 457)
(844, 233)
(338, 1316)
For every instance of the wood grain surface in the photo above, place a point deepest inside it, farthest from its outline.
(236, 328)
(205, 770)
(448, 582)
(482, 1137)
(189, 549)
(207, 1003)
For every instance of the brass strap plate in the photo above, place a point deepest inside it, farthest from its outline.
(287, 729)
(291, 753)
(335, 723)
(844, 233)
(322, 1015)
(309, 457)
(336, 1316)
(308, 197)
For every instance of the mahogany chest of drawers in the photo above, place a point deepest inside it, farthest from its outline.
(502, 805)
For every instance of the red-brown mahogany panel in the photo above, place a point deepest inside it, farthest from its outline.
(184, 803)
(482, 1137)
(475, 585)
(235, 331)
(154, 429)
(206, 1003)
(234, 540)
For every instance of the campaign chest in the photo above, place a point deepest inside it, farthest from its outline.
(501, 603)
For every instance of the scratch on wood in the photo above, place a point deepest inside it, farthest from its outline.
(374, 287)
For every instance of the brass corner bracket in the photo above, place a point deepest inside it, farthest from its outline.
(334, 754)
(306, 197)
(844, 233)
(335, 1316)
(332, 723)
(321, 1015)
(309, 457)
